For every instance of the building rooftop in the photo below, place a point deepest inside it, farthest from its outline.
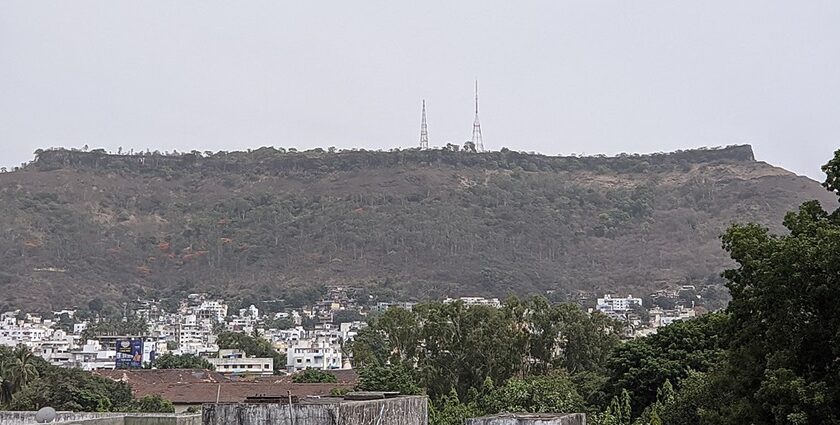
(197, 386)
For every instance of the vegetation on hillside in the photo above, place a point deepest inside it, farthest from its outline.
(279, 224)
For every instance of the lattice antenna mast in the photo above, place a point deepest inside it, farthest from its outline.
(477, 140)
(424, 130)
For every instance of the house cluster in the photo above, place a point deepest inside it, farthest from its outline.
(311, 337)
(473, 301)
(59, 345)
(314, 336)
(666, 306)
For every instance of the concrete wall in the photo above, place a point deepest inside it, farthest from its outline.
(27, 418)
(529, 419)
(192, 419)
(114, 420)
(394, 411)
(96, 418)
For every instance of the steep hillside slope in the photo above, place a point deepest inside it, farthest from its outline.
(414, 224)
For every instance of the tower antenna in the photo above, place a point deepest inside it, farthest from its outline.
(424, 131)
(476, 139)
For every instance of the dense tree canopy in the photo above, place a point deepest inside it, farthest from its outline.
(644, 365)
(27, 382)
(481, 359)
(785, 326)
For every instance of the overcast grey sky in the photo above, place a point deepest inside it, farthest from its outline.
(556, 77)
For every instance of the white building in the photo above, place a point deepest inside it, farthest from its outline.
(28, 334)
(193, 335)
(405, 305)
(289, 336)
(252, 312)
(235, 362)
(610, 304)
(313, 354)
(212, 310)
(473, 301)
(660, 317)
(92, 356)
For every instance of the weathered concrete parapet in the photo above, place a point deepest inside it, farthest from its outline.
(530, 419)
(99, 418)
(408, 410)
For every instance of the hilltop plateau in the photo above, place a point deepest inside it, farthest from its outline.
(274, 223)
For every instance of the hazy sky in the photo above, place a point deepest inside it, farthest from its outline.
(556, 77)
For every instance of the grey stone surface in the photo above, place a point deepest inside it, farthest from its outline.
(97, 418)
(529, 419)
(409, 410)
(46, 414)
(28, 418)
(194, 419)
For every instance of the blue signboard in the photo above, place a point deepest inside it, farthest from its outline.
(129, 353)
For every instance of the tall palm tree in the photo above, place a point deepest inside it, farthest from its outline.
(5, 383)
(21, 369)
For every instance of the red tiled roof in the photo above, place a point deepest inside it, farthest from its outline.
(345, 376)
(155, 376)
(195, 386)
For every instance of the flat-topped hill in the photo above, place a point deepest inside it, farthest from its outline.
(271, 223)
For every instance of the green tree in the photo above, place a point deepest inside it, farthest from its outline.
(465, 345)
(443, 346)
(695, 403)
(181, 361)
(392, 377)
(643, 365)
(344, 316)
(5, 380)
(116, 326)
(402, 330)
(781, 366)
(449, 410)
(370, 348)
(282, 323)
(313, 376)
(74, 390)
(154, 403)
(554, 392)
(21, 368)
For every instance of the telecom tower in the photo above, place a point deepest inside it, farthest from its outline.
(424, 131)
(477, 140)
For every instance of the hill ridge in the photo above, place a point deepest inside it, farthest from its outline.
(405, 224)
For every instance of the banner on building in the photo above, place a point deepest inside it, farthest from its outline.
(129, 353)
